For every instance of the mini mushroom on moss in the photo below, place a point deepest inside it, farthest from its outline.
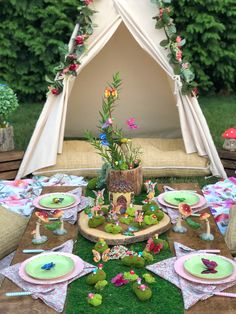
(230, 139)
(207, 236)
(185, 211)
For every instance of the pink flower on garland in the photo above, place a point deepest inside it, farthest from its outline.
(55, 91)
(131, 124)
(185, 65)
(161, 10)
(79, 40)
(178, 39)
(73, 67)
(179, 55)
(87, 2)
(66, 70)
(72, 56)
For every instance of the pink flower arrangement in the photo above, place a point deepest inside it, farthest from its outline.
(119, 280)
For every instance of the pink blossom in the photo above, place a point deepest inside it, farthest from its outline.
(179, 55)
(87, 2)
(107, 123)
(178, 39)
(131, 123)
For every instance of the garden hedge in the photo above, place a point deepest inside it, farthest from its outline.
(32, 31)
(210, 31)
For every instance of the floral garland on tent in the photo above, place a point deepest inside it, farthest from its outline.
(71, 59)
(174, 43)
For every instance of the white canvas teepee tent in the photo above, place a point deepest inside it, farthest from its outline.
(125, 39)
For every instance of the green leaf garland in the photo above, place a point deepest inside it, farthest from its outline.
(174, 43)
(71, 59)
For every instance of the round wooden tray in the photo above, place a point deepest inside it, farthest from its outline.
(94, 234)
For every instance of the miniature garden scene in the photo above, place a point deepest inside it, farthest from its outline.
(118, 157)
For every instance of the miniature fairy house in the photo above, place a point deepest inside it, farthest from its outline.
(121, 194)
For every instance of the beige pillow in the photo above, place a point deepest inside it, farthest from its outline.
(230, 236)
(12, 226)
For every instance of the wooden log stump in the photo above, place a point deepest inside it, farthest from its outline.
(133, 176)
(6, 139)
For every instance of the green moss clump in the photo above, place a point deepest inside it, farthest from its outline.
(160, 215)
(126, 220)
(92, 278)
(129, 276)
(163, 242)
(131, 211)
(133, 261)
(150, 220)
(142, 295)
(92, 184)
(100, 285)
(101, 246)
(149, 278)
(150, 207)
(147, 256)
(104, 210)
(96, 300)
(112, 228)
(96, 221)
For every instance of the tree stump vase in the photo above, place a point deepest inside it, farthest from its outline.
(6, 139)
(133, 176)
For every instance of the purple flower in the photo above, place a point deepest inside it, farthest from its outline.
(131, 124)
(107, 123)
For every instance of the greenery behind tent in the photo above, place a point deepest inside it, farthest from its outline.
(31, 33)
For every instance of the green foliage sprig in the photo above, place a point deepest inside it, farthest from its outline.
(8, 104)
(174, 43)
(112, 146)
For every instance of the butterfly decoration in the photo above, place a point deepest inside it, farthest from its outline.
(48, 266)
(98, 256)
(210, 266)
(179, 199)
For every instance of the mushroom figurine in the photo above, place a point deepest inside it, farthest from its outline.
(37, 237)
(207, 236)
(230, 139)
(58, 214)
(184, 212)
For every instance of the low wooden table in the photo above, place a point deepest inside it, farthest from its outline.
(27, 305)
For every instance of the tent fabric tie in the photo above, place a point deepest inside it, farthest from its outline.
(178, 83)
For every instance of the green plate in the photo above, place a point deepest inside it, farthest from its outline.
(195, 266)
(63, 265)
(177, 197)
(47, 200)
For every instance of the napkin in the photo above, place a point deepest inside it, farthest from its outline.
(165, 269)
(173, 213)
(53, 295)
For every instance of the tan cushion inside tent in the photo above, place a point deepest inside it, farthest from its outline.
(12, 227)
(161, 157)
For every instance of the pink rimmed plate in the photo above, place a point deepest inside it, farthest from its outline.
(179, 268)
(36, 201)
(78, 268)
(202, 202)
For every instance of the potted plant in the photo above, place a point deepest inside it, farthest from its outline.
(8, 103)
(121, 157)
